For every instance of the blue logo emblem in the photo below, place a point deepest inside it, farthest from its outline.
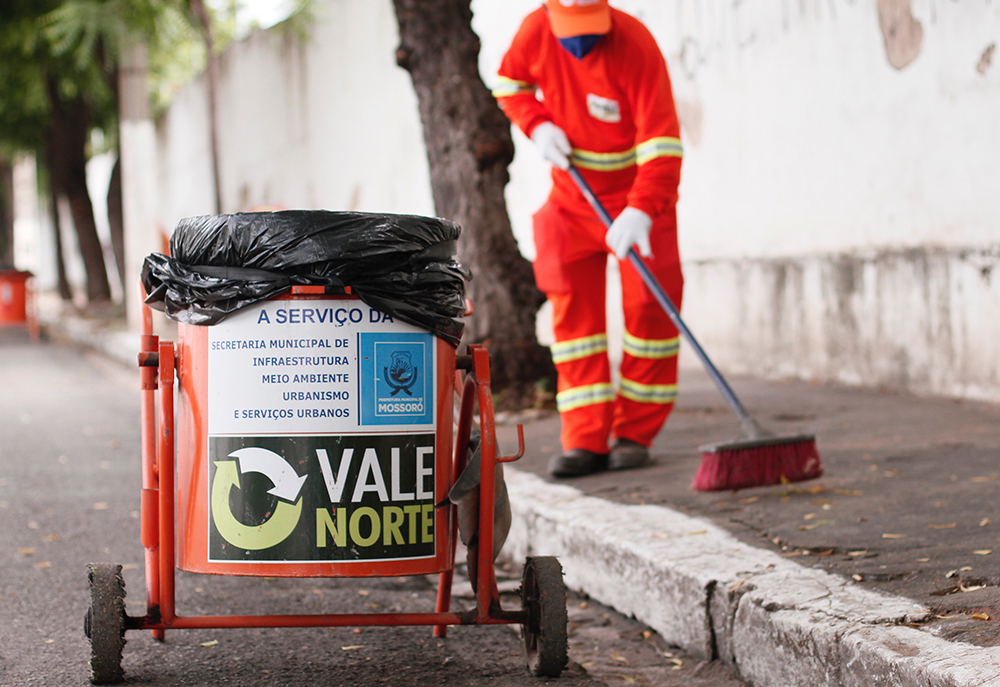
(401, 374)
(397, 378)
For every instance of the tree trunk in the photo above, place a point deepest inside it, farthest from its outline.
(116, 221)
(211, 72)
(6, 213)
(68, 165)
(469, 148)
(62, 281)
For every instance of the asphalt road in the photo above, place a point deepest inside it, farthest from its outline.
(69, 495)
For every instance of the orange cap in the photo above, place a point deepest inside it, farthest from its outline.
(578, 17)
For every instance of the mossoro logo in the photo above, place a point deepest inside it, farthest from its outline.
(397, 379)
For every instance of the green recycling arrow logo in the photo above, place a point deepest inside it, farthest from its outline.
(287, 486)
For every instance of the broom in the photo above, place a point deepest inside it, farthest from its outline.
(759, 458)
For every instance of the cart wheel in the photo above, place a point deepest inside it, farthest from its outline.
(104, 623)
(543, 596)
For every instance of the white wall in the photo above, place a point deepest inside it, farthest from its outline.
(806, 153)
(330, 123)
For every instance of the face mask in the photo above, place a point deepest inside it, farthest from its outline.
(579, 46)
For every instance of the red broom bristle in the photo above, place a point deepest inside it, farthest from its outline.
(758, 466)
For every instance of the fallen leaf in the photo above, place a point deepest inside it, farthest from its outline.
(945, 617)
(51, 537)
(828, 552)
(893, 536)
(363, 592)
(950, 574)
(626, 678)
(858, 577)
(130, 566)
(583, 604)
(50, 641)
(981, 616)
(985, 479)
(588, 664)
(101, 505)
(32, 525)
(43, 564)
(646, 634)
(815, 524)
(210, 643)
(352, 647)
(808, 516)
(815, 490)
(27, 551)
(847, 492)
(738, 585)
(661, 535)
(983, 552)
(943, 527)
(752, 499)
(699, 532)
(984, 522)
(793, 553)
(619, 657)
(821, 502)
(965, 569)
(857, 553)
(678, 663)
(971, 588)
(356, 630)
(921, 560)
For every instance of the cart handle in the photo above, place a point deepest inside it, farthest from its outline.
(520, 448)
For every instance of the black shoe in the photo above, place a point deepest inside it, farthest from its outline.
(626, 454)
(577, 462)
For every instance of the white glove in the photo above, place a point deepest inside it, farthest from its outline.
(630, 229)
(552, 143)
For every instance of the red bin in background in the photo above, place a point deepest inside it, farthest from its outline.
(14, 297)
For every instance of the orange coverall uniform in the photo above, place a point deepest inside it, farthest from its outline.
(617, 109)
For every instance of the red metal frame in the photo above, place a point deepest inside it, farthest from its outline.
(158, 525)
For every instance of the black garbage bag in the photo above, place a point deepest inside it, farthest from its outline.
(403, 265)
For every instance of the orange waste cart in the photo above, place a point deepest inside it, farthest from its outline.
(315, 437)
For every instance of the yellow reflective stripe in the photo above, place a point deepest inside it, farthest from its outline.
(651, 348)
(574, 349)
(505, 87)
(603, 162)
(662, 146)
(581, 396)
(648, 393)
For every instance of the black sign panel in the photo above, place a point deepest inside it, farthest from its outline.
(321, 498)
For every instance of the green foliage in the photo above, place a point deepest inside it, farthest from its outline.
(34, 75)
(100, 30)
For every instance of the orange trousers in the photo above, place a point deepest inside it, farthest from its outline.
(570, 269)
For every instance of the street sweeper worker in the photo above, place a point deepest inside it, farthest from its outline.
(589, 86)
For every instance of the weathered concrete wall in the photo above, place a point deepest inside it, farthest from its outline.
(849, 145)
(922, 319)
(326, 122)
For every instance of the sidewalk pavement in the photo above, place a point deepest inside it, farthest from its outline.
(885, 571)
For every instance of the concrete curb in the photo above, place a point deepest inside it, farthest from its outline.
(777, 623)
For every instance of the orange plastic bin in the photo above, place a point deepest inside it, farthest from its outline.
(13, 297)
(314, 437)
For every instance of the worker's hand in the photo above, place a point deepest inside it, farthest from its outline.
(630, 229)
(552, 143)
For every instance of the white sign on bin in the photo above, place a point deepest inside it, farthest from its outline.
(318, 367)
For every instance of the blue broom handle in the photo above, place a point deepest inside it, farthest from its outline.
(664, 300)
